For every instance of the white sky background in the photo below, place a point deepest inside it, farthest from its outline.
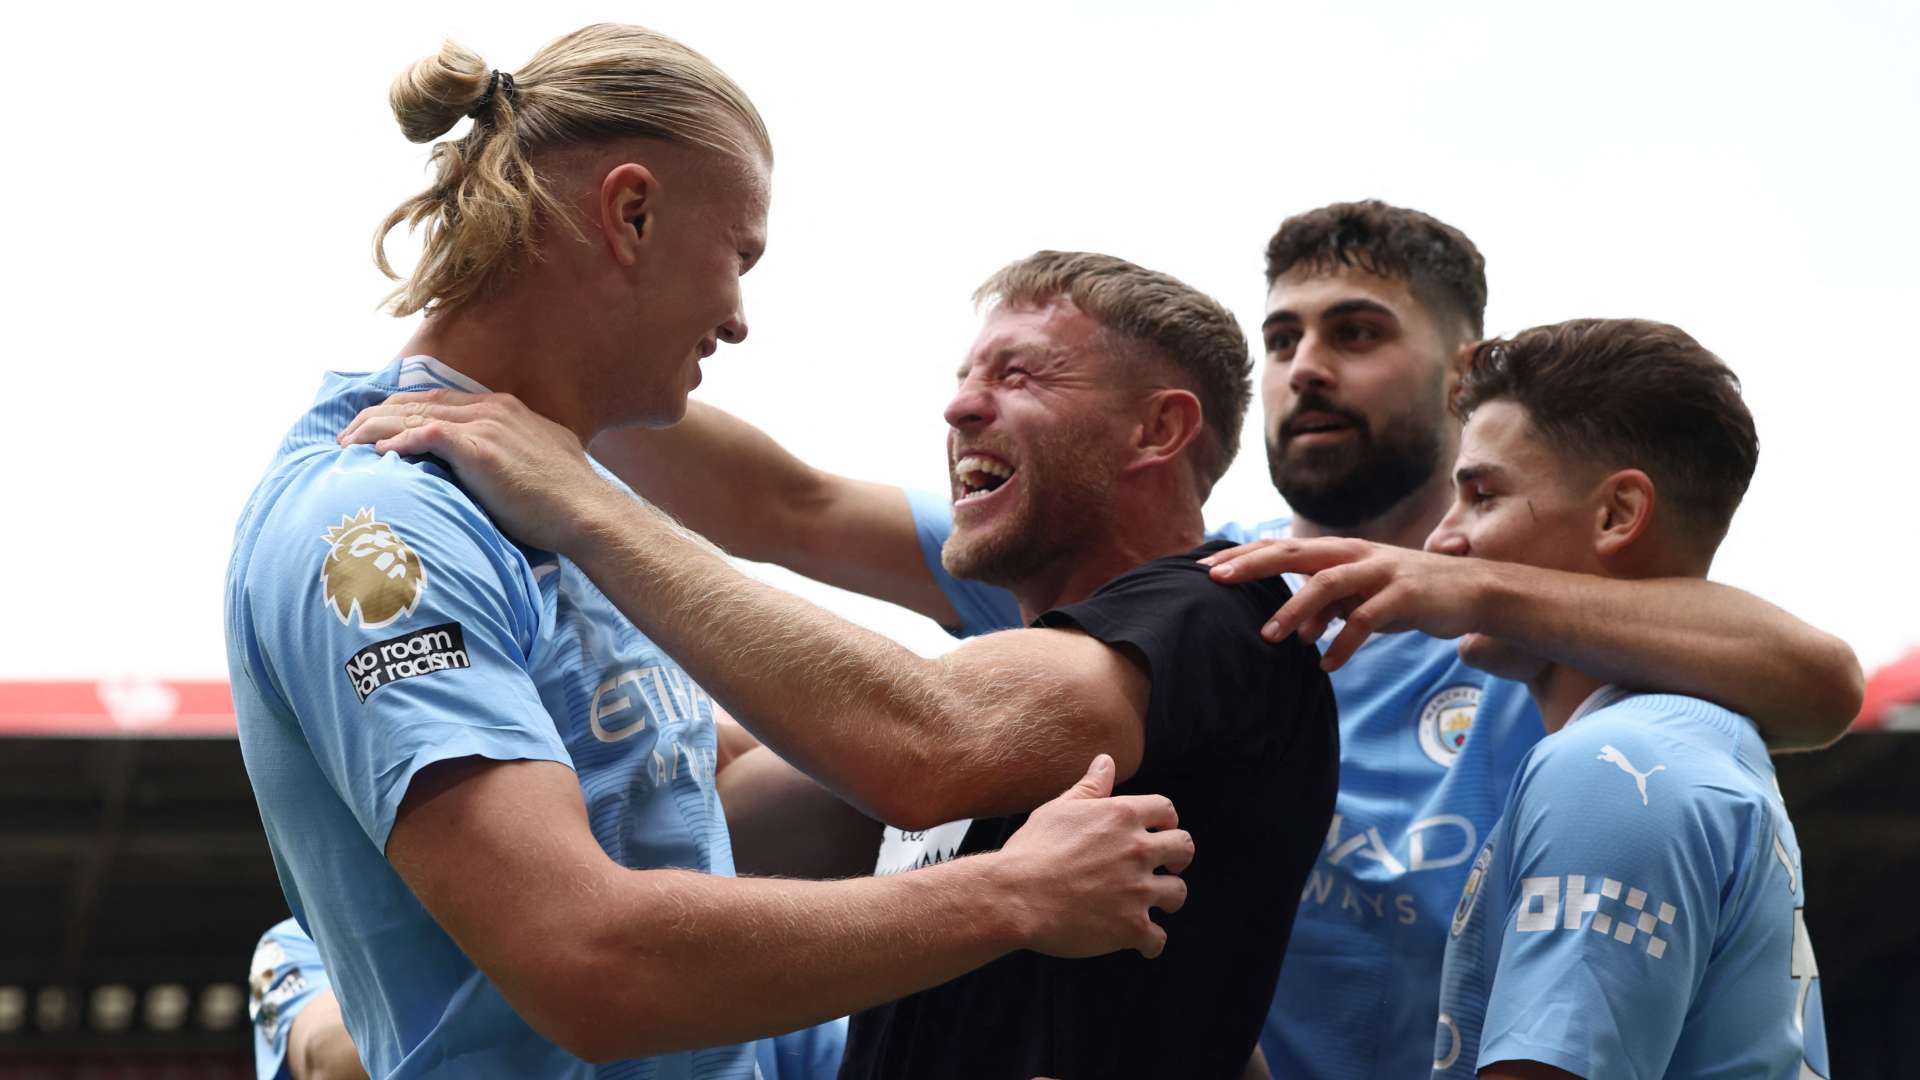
(192, 197)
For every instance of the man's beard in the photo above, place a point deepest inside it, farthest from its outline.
(1345, 485)
(1065, 508)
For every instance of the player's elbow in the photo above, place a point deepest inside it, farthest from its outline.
(917, 815)
(334, 1068)
(1846, 687)
(920, 794)
(1827, 688)
(587, 1023)
(577, 1035)
(558, 1011)
(584, 996)
(802, 526)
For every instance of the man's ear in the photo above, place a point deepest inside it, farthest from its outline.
(1457, 369)
(1169, 420)
(629, 195)
(1624, 513)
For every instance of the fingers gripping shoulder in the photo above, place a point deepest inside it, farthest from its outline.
(364, 541)
(395, 624)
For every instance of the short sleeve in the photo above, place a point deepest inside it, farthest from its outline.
(1202, 645)
(286, 973)
(397, 626)
(1613, 883)
(983, 609)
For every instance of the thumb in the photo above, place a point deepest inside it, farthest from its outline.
(1097, 784)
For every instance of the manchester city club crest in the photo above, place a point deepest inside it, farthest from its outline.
(1446, 720)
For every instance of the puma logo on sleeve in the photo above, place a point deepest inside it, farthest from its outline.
(1608, 753)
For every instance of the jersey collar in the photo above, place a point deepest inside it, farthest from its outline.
(1599, 699)
(423, 372)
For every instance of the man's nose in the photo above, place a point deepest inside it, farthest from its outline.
(1312, 367)
(971, 407)
(1448, 538)
(734, 330)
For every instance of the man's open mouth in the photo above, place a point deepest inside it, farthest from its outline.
(976, 476)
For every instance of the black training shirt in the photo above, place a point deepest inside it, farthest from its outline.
(1242, 736)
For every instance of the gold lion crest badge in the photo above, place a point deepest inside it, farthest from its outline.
(370, 569)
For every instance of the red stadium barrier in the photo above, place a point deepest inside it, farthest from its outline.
(1892, 700)
(117, 708)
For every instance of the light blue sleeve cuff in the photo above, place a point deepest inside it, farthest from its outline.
(982, 608)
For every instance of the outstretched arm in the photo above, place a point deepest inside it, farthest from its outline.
(610, 962)
(1801, 686)
(991, 728)
(730, 482)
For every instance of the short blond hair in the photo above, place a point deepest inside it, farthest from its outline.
(598, 84)
(1186, 331)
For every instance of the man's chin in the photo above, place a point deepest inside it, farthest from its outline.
(665, 411)
(1320, 466)
(984, 556)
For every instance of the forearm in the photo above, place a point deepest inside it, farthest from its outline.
(1686, 635)
(845, 705)
(612, 962)
(723, 477)
(732, 483)
(781, 955)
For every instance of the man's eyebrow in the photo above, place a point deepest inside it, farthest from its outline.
(1360, 307)
(1467, 474)
(1004, 353)
(1356, 306)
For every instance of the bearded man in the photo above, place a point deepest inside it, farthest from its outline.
(1095, 411)
(1368, 308)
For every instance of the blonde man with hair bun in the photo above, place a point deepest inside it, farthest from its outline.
(489, 797)
(601, 83)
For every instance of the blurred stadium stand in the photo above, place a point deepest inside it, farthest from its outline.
(1893, 697)
(134, 882)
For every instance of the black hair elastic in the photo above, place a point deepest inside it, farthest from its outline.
(500, 81)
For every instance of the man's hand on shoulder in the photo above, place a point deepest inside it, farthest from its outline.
(531, 474)
(1376, 588)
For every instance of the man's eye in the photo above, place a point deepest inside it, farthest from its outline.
(1359, 334)
(1280, 347)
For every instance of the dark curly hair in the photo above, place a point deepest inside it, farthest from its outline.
(1437, 261)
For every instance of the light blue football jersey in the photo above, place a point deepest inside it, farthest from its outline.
(1638, 911)
(377, 622)
(1428, 748)
(285, 974)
